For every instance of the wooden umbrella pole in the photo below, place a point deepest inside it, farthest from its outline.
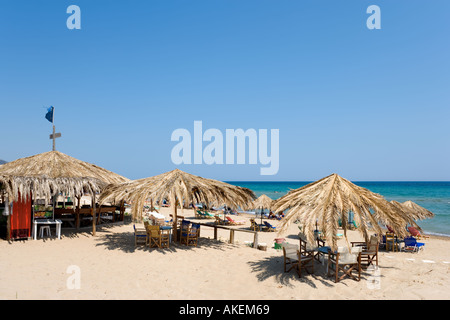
(94, 214)
(175, 221)
(77, 221)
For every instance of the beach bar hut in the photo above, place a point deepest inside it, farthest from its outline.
(329, 200)
(45, 176)
(180, 188)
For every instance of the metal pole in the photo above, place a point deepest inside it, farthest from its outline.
(53, 123)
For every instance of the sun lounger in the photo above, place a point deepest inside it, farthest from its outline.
(416, 233)
(411, 245)
(233, 222)
(219, 220)
(269, 227)
(209, 215)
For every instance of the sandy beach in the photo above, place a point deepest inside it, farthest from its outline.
(111, 267)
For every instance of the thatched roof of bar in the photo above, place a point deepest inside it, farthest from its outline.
(263, 201)
(329, 200)
(52, 172)
(180, 187)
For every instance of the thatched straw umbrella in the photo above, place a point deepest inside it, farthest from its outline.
(263, 202)
(179, 188)
(329, 200)
(413, 212)
(48, 174)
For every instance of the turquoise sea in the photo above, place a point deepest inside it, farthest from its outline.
(434, 196)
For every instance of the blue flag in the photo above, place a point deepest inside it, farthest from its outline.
(49, 115)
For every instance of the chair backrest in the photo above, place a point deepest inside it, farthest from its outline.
(154, 230)
(410, 241)
(268, 224)
(304, 244)
(289, 249)
(185, 225)
(347, 256)
(389, 236)
(229, 219)
(373, 243)
(195, 228)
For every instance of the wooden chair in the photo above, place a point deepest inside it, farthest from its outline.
(154, 236)
(189, 236)
(305, 258)
(290, 256)
(140, 236)
(254, 226)
(184, 230)
(369, 253)
(165, 237)
(345, 260)
(321, 250)
(391, 241)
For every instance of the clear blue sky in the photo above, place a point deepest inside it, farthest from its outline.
(366, 104)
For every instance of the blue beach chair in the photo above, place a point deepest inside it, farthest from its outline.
(269, 227)
(412, 245)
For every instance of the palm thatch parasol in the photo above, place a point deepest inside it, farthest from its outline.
(329, 200)
(179, 188)
(413, 212)
(418, 212)
(47, 174)
(263, 202)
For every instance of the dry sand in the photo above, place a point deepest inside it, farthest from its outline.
(111, 267)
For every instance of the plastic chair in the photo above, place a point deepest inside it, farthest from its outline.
(47, 231)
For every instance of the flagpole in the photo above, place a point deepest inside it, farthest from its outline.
(53, 123)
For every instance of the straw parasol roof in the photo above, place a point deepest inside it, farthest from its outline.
(179, 188)
(329, 200)
(413, 212)
(262, 202)
(49, 173)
